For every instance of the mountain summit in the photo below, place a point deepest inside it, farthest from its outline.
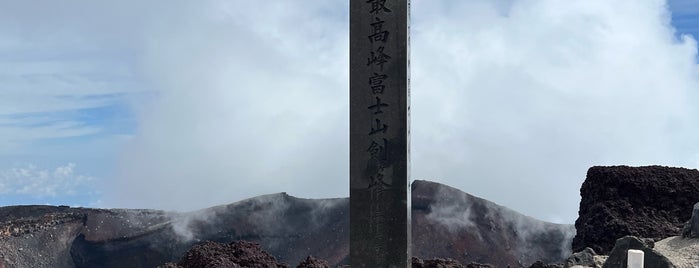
(446, 223)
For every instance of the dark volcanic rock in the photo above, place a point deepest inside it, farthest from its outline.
(617, 201)
(618, 256)
(417, 262)
(311, 262)
(478, 265)
(691, 227)
(540, 264)
(444, 263)
(233, 255)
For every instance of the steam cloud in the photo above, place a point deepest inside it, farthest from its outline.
(475, 216)
(510, 99)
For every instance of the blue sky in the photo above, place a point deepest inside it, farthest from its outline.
(132, 105)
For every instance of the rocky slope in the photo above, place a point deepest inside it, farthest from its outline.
(447, 223)
(649, 202)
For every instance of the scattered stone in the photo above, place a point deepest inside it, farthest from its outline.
(312, 262)
(233, 255)
(445, 263)
(585, 258)
(541, 264)
(617, 201)
(618, 256)
(479, 265)
(442, 263)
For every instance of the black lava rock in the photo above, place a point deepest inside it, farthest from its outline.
(617, 201)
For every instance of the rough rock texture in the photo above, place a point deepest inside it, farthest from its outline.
(236, 254)
(691, 227)
(47, 236)
(435, 263)
(617, 201)
(445, 263)
(586, 258)
(683, 253)
(478, 265)
(618, 256)
(540, 264)
(311, 262)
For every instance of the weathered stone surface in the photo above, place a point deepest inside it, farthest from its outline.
(586, 258)
(379, 147)
(650, 201)
(618, 256)
(692, 225)
(682, 252)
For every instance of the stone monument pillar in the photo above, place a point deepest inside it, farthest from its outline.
(379, 134)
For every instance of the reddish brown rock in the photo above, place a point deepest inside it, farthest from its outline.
(233, 255)
(650, 202)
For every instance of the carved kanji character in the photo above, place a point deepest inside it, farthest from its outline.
(376, 83)
(378, 6)
(378, 128)
(377, 107)
(378, 57)
(379, 34)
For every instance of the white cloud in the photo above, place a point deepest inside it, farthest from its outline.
(512, 100)
(516, 107)
(32, 181)
(244, 106)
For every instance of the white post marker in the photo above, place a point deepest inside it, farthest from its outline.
(635, 258)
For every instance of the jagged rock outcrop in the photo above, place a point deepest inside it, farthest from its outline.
(618, 255)
(617, 201)
(586, 258)
(691, 227)
(237, 254)
(447, 223)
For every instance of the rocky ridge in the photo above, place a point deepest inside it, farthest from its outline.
(447, 223)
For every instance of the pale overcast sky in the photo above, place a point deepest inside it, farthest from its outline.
(188, 104)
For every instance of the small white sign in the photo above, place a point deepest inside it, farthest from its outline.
(635, 258)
